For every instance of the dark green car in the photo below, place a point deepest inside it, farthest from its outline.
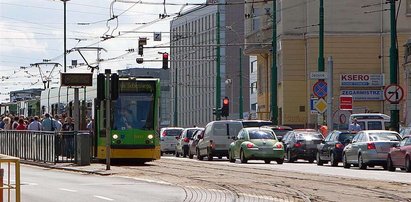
(256, 144)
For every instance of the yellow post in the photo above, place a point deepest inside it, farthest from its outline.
(1, 184)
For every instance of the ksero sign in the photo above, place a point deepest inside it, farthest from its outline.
(361, 80)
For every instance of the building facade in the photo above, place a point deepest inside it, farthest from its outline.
(407, 83)
(358, 41)
(253, 87)
(165, 99)
(193, 64)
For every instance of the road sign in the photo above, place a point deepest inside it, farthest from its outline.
(157, 36)
(313, 101)
(318, 75)
(346, 102)
(320, 89)
(393, 93)
(321, 105)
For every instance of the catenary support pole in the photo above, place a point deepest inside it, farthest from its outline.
(395, 115)
(108, 128)
(175, 98)
(240, 101)
(218, 68)
(273, 106)
(330, 94)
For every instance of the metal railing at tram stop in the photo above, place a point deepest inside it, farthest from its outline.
(9, 178)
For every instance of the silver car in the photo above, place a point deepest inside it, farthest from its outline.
(370, 148)
(169, 139)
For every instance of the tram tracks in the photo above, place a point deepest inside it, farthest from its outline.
(262, 183)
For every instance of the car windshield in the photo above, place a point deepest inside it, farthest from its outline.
(259, 134)
(281, 132)
(134, 111)
(309, 136)
(172, 132)
(384, 136)
(346, 136)
(227, 129)
(248, 124)
(190, 132)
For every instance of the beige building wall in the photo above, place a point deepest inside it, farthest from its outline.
(359, 43)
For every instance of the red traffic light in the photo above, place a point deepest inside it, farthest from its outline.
(165, 55)
(225, 101)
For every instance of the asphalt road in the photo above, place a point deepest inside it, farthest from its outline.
(43, 185)
(376, 173)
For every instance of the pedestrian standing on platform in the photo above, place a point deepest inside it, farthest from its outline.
(15, 123)
(68, 124)
(35, 124)
(7, 124)
(47, 123)
(22, 125)
(68, 137)
(57, 123)
(1, 123)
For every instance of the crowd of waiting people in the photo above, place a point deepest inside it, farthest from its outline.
(45, 123)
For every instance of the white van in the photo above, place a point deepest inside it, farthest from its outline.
(217, 138)
(372, 121)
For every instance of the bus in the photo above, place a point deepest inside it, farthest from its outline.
(134, 121)
(372, 121)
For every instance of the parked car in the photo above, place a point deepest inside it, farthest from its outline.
(370, 148)
(405, 131)
(279, 131)
(256, 144)
(302, 144)
(331, 148)
(255, 123)
(168, 139)
(400, 155)
(192, 145)
(183, 140)
(217, 138)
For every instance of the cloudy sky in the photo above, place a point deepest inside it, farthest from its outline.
(31, 31)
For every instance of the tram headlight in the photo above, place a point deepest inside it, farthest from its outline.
(150, 136)
(115, 136)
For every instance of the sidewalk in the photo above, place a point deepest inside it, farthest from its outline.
(93, 168)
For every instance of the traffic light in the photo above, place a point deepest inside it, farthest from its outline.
(141, 42)
(114, 86)
(165, 60)
(226, 107)
(101, 78)
(140, 49)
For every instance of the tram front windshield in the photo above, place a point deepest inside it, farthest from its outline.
(134, 111)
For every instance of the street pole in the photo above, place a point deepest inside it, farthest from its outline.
(321, 39)
(274, 110)
(330, 92)
(65, 36)
(218, 76)
(240, 109)
(395, 116)
(175, 98)
(108, 128)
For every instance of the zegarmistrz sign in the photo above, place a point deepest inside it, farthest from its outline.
(361, 80)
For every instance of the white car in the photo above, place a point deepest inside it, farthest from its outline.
(168, 137)
(183, 140)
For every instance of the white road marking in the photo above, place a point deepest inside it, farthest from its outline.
(104, 198)
(69, 190)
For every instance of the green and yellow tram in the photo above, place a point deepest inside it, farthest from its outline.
(134, 121)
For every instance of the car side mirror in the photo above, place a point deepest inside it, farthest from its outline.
(322, 141)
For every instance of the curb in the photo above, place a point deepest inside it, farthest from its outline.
(53, 166)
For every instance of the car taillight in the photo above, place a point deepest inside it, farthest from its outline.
(186, 139)
(279, 146)
(370, 146)
(339, 146)
(250, 145)
(298, 144)
(164, 134)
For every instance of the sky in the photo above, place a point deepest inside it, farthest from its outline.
(32, 31)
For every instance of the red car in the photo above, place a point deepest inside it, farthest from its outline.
(400, 156)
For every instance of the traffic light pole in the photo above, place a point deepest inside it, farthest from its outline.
(218, 76)
(108, 128)
(175, 98)
(274, 110)
(394, 63)
(240, 109)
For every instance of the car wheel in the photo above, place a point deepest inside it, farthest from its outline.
(289, 159)
(345, 162)
(407, 164)
(280, 161)
(199, 157)
(311, 160)
(333, 161)
(361, 163)
(318, 159)
(161, 153)
(267, 161)
(242, 157)
(209, 155)
(230, 157)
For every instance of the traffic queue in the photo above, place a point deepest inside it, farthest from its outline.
(260, 140)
